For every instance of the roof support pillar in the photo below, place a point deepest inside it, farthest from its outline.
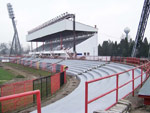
(61, 40)
(36, 46)
(43, 46)
(31, 47)
(50, 45)
(74, 35)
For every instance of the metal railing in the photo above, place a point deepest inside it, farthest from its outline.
(48, 85)
(145, 67)
(36, 92)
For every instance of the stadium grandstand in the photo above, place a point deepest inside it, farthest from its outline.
(104, 81)
(63, 36)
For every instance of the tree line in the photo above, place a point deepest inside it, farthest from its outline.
(5, 49)
(123, 48)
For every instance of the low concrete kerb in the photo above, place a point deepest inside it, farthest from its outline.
(123, 106)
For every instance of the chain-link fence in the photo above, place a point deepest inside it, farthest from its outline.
(50, 84)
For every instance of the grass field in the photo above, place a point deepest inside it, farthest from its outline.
(5, 75)
(29, 69)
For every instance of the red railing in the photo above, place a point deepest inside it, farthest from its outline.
(15, 88)
(30, 85)
(127, 60)
(36, 92)
(143, 67)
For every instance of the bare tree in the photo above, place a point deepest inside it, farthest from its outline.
(26, 49)
(4, 49)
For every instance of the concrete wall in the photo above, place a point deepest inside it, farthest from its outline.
(90, 45)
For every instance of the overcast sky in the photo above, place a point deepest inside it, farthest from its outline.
(110, 16)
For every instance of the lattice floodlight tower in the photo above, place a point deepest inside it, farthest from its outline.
(15, 47)
(141, 27)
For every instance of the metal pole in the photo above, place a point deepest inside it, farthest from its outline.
(36, 46)
(74, 36)
(46, 87)
(141, 75)
(86, 97)
(149, 53)
(117, 86)
(38, 102)
(31, 47)
(43, 46)
(41, 89)
(51, 45)
(61, 41)
(132, 82)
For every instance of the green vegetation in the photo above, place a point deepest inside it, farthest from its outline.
(124, 48)
(5, 75)
(29, 69)
(20, 76)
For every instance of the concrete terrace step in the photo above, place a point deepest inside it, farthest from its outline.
(104, 71)
(75, 102)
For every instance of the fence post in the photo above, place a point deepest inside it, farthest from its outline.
(41, 89)
(132, 82)
(33, 90)
(148, 72)
(86, 97)
(46, 87)
(141, 75)
(14, 99)
(117, 86)
(24, 86)
(38, 102)
(2, 96)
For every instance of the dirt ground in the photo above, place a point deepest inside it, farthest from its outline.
(138, 103)
(16, 71)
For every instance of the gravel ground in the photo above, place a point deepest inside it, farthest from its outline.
(138, 103)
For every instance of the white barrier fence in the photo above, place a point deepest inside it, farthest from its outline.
(99, 58)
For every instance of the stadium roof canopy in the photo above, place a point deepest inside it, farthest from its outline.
(63, 28)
